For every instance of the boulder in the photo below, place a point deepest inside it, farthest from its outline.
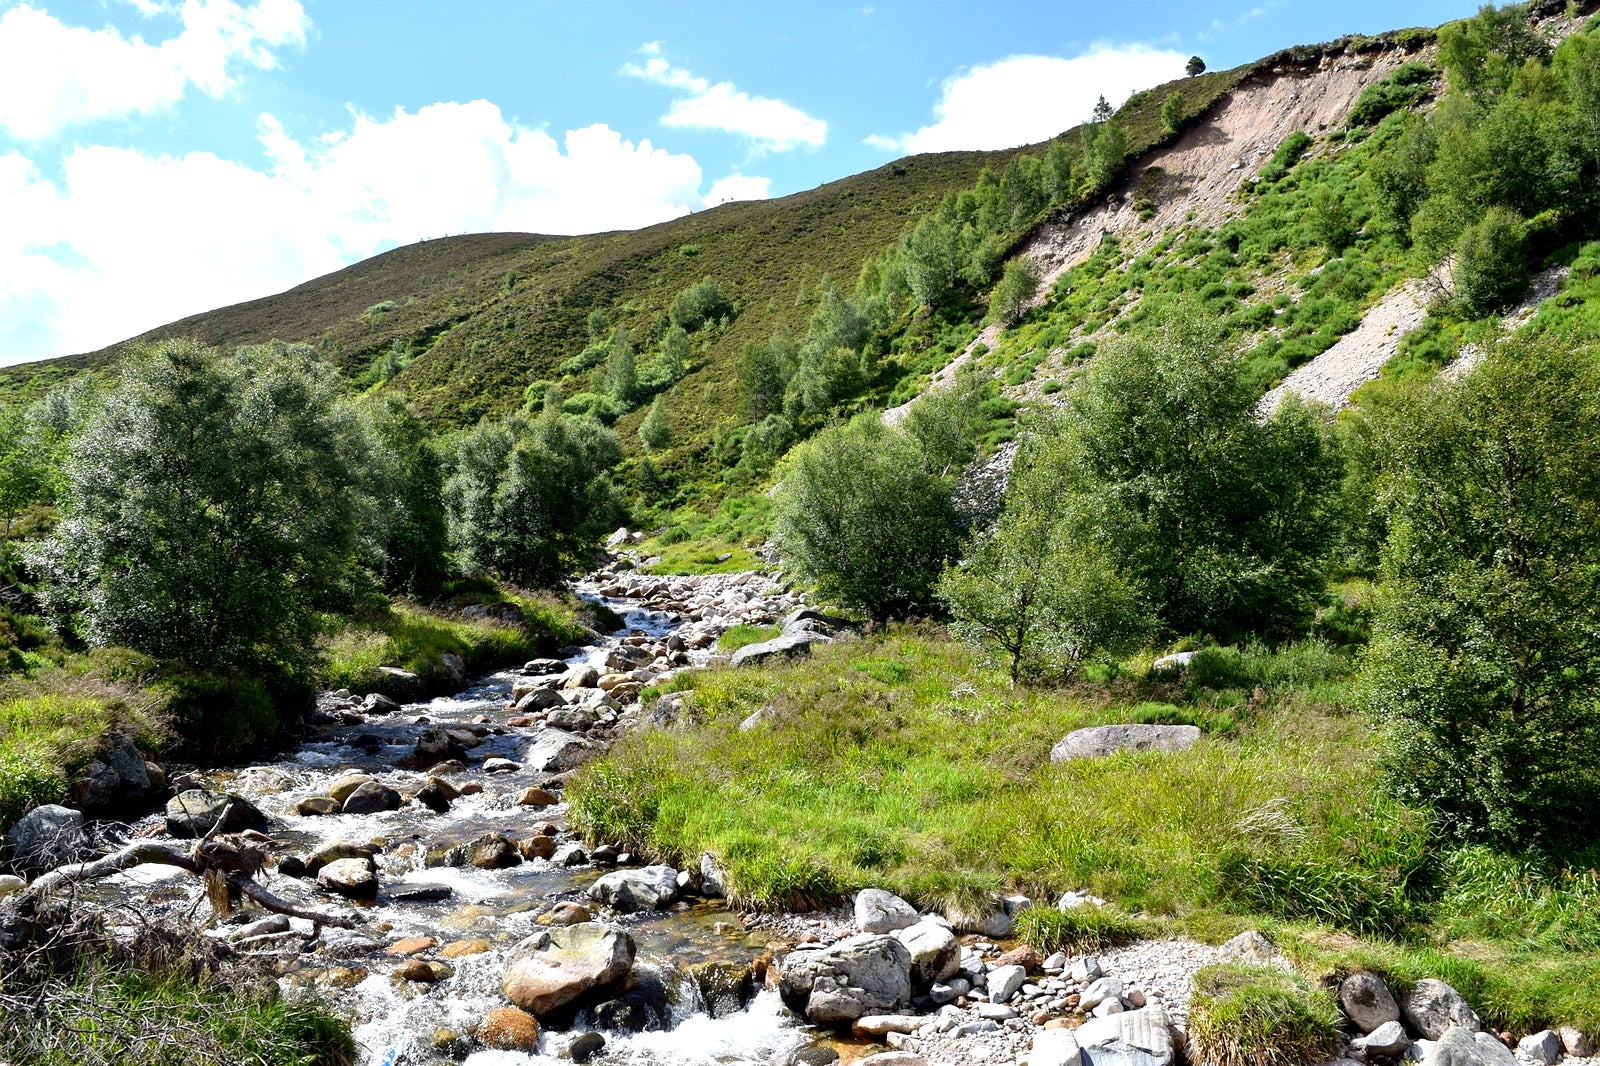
(399, 684)
(540, 699)
(1459, 1046)
(878, 911)
(555, 966)
(419, 892)
(878, 1026)
(10, 885)
(994, 923)
(433, 795)
(713, 878)
(195, 812)
(46, 837)
(354, 878)
(1005, 980)
(1367, 1000)
(534, 796)
(1543, 1046)
(1576, 1042)
(1433, 1006)
(1177, 662)
(541, 667)
(492, 851)
(371, 798)
(565, 913)
(725, 987)
(334, 850)
(935, 952)
(1131, 1038)
(537, 846)
(315, 806)
(787, 646)
(581, 676)
(555, 751)
(1097, 741)
(345, 784)
(509, 1029)
(378, 703)
(1055, 1047)
(868, 973)
(650, 888)
(1386, 1038)
(115, 775)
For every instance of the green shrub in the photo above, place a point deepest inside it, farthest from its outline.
(1400, 89)
(1261, 1016)
(1491, 268)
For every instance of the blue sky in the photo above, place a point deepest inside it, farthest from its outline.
(162, 158)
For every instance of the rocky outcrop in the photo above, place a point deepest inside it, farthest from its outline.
(1097, 741)
(868, 973)
(116, 775)
(554, 967)
(792, 645)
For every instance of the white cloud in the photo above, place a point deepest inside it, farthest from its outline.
(774, 125)
(53, 76)
(738, 186)
(1025, 99)
(124, 241)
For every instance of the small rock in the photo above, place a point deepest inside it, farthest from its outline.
(1543, 1046)
(458, 949)
(535, 797)
(268, 926)
(1055, 1047)
(424, 972)
(509, 1029)
(419, 892)
(1098, 992)
(497, 765)
(344, 785)
(431, 796)
(581, 1047)
(1575, 1042)
(371, 798)
(314, 806)
(1387, 1038)
(1005, 980)
(1367, 1000)
(566, 913)
(1250, 946)
(353, 878)
(411, 945)
(1086, 969)
(536, 847)
(880, 1025)
(647, 888)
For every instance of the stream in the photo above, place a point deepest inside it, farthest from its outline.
(399, 1022)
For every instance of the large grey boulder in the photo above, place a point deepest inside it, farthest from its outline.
(1097, 741)
(554, 751)
(555, 966)
(878, 911)
(1131, 1038)
(650, 888)
(1433, 1006)
(196, 812)
(47, 837)
(935, 952)
(868, 973)
(371, 798)
(788, 646)
(1055, 1047)
(1368, 1001)
(1543, 1046)
(1460, 1046)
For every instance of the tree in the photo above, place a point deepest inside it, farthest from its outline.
(528, 497)
(1330, 221)
(699, 304)
(1195, 67)
(764, 371)
(405, 479)
(1485, 654)
(859, 513)
(1046, 596)
(1172, 112)
(622, 374)
(656, 429)
(1491, 268)
(1017, 285)
(674, 354)
(931, 254)
(1483, 53)
(1105, 150)
(211, 505)
(1221, 517)
(31, 457)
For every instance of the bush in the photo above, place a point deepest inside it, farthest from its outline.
(1485, 654)
(1261, 1016)
(1400, 89)
(859, 513)
(699, 304)
(1491, 268)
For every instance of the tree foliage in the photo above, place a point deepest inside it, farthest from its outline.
(211, 504)
(1486, 646)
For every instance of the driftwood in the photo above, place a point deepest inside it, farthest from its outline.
(222, 861)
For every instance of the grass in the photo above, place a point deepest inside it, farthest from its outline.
(1077, 930)
(49, 724)
(1261, 1016)
(906, 761)
(735, 637)
(417, 638)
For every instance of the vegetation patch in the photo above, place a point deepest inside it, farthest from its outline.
(1244, 1015)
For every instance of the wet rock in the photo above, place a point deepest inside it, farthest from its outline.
(421, 971)
(556, 751)
(315, 806)
(371, 798)
(541, 667)
(493, 851)
(877, 911)
(581, 676)
(353, 878)
(1433, 1006)
(509, 1029)
(553, 967)
(334, 850)
(345, 784)
(814, 1055)
(460, 949)
(437, 744)
(411, 945)
(1132, 1038)
(195, 812)
(419, 892)
(570, 855)
(581, 1047)
(268, 926)
(1097, 741)
(46, 837)
(292, 866)
(536, 797)
(645, 889)
(431, 796)
(536, 847)
(868, 973)
(116, 774)
(1367, 1000)
(399, 684)
(1386, 1038)
(565, 913)
(725, 987)
(378, 703)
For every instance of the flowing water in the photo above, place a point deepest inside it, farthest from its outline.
(403, 1022)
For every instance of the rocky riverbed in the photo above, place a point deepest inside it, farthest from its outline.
(485, 931)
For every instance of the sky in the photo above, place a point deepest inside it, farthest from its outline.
(160, 158)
